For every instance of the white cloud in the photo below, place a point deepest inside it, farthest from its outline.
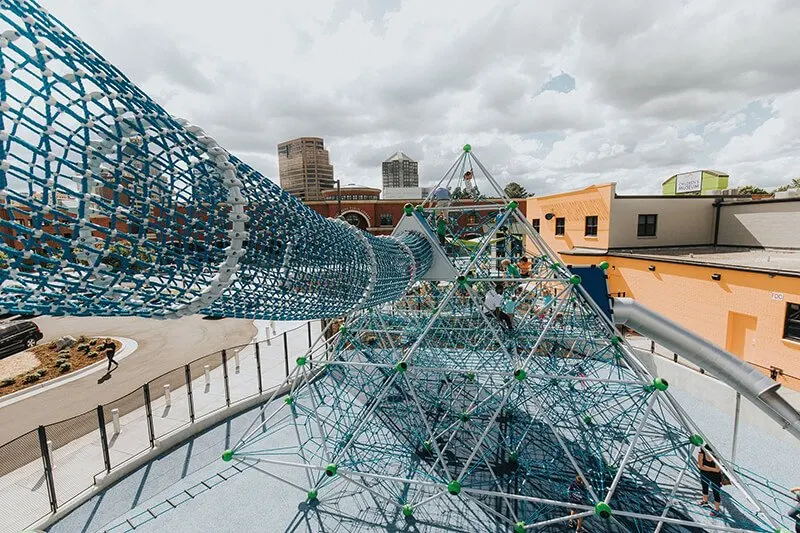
(660, 87)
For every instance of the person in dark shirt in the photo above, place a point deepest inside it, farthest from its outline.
(795, 513)
(577, 495)
(710, 475)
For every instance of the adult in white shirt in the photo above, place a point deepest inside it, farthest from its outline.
(493, 303)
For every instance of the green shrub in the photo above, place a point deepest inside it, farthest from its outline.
(41, 372)
(31, 378)
(65, 367)
(92, 355)
(8, 382)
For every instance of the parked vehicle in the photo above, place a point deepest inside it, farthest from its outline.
(18, 336)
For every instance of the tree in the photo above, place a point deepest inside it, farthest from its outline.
(795, 184)
(751, 189)
(458, 194)
(515, 190)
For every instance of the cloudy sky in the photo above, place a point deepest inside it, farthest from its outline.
(554, 94)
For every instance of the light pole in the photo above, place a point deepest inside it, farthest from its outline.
(338, 198)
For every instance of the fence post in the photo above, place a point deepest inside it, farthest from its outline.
(148, 409)
(258, 368)
(652, 346)
(188, 373)
(286, 353)
(101, 423)
(309, 333)
(225, 378)
(48, 469)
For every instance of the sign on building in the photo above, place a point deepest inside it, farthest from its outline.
(689, 182)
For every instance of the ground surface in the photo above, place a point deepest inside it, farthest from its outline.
(190, 489)
(43, 363)
(163, 346)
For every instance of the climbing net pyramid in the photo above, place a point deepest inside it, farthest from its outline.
(446, 417)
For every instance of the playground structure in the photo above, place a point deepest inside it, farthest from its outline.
(426, 402)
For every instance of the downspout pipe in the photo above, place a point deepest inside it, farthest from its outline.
(752, 384)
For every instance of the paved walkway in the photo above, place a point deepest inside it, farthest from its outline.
(23, 494)
(163, 345)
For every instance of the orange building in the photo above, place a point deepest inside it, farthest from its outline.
(727, 268)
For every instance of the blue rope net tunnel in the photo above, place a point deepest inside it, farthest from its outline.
(110, 206)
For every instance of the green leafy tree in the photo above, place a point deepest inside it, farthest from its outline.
(3, 260)
(122, 250)
(794, 184)
(459, 194)
(751, 189)
(515, 190)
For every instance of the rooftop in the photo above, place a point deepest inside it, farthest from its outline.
(764, 259)
(399, 156)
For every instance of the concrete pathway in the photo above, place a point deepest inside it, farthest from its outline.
(78, 462)
(162, 346)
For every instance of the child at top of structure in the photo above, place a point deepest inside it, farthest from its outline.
(524, 267)
(512, 271)
(469, 185)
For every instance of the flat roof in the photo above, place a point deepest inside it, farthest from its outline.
(758, 259)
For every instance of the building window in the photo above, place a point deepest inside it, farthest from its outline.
(647, 226)
(791, 326)
(591, 226)
(386, 219)
(560, 226)
(535, 224)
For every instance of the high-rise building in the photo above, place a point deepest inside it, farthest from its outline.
(304, 168)
(400, 171)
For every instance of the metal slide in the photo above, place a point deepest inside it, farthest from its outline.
(743, 378)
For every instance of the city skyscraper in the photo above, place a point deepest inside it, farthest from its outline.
(400, 171)
(304, 168)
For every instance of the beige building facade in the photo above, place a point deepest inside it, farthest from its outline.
(304, 168)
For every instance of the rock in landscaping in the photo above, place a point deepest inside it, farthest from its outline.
(67, 341)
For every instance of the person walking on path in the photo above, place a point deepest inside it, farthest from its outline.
(110, 349)
(795, 513)
(710, 474)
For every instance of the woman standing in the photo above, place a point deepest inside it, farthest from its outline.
(710, 474)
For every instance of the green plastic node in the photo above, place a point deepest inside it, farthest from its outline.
(697, 440)
(513, 457)
(427, 446)
(454, 487)
(467, 148)
(288, 400)
(520, 374)
(343, 330)
(555, 266)
(408, 209)
(227, 455)
(408, 509)
(603, 510)
(300, 361)
(603, 265)
(513, 204)
(402, 366)
(782, 530)
(464, 417)
(419, 209)
(470, 376)
(575, 279)
(660, 384)
(616, 341)
(331, 469)
(462, 280)
(519, 527)
(587, 420)
(311, 495)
